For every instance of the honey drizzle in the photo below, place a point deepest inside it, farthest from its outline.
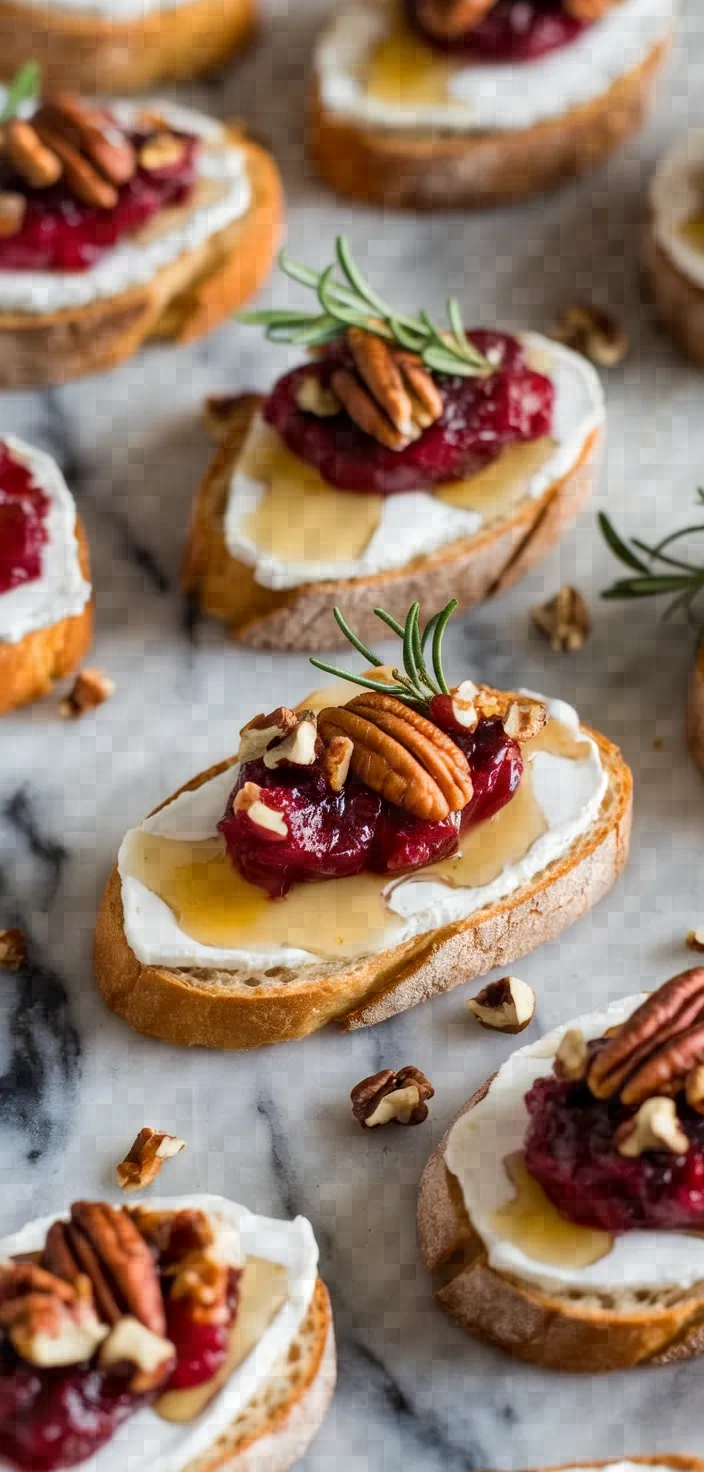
(403, 71)
(532, 1224)
(496, 490)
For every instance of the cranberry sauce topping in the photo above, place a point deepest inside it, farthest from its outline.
(59, 233)
(569, 1149)
(201, 1348)
(515, 30)
(481, 417)
(23, 532)
(332, 835)
(56, 1418)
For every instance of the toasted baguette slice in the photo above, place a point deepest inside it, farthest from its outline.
(695, 715)
(578, 1333)
(182, 301)
(249, 1009)
(278, 1424)
(434, 171)
(29, 668)
(82, 52)
(301, 618)
(678, 301)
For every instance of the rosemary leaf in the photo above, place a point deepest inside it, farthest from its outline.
(23, 88)
(618, 547)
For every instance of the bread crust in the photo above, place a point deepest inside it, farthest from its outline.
(29, 668)
(84, 53)
(677, 1463)
(273, 1437)
(433, 171)
(182, 301)
(301, 618)
(695, 714)
(678, 301)
(579, 1336)
(249, 1010)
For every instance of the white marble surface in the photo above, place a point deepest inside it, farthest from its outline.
(274, 1129)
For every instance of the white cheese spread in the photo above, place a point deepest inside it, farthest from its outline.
(112, 12)
(504, 97)
(416, 523)
(677, 198)
(134, 261)
(568, 792)
(60, 591)
(495, 1128)
(145, 1443)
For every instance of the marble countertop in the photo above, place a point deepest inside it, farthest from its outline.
(274, 1129)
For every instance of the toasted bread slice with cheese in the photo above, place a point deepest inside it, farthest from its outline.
(277, 1425)
(81, 51)
(301, 618)
(678, 301)
(576, 1332)
(695, 717)
(182, 301)
(419, 170)
(250, 1008)
(29, 668)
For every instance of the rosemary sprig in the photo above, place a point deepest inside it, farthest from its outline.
(657, 570)
(415, 684)
(352, 302)
(24, 87)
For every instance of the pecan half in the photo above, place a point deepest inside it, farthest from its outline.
(364, 410)
(388, 1095)
(401, 755)
(507, 1005)
(392, 396)
(82, 178)
(39, 165)
(93, 133)
(90, 689)
(110, 1251)
(656, 1047)
(145, 1158)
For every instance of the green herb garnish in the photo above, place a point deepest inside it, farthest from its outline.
(415, 684)
(24, 87)
(656, 570)
(351, 302)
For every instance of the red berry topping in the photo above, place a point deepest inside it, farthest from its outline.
(481, 416)
(201, 1347)
(514, 30)
(23, 532)
(56, 1418)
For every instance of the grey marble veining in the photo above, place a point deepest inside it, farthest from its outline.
(274, 1129)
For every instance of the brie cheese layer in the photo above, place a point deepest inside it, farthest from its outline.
(223, 181)
(676, 199)
(417, 523)
(495, 1128)
(60, 591)
(503, 97)
(568, 792)
(147, 1444)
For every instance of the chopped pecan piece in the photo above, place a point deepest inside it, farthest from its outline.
(249, 801)
(145, 1158)
(565, 620)
(151, 1356)
(13, 950)
(13, 208)
(695, 940)
(590, 330)
(259, 733)
(401, 755)
(572, 1056)
(49, 1322)
(507, 1005)
(313, 398)
(388, 1096)
(449, 19)
(587, 9)
(91, 688)
(336, 762)
(162, 151)
(655, 1127)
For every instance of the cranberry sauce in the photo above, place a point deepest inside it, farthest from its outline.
(570, 1150)
(481, 417)
(56, 1418)
(59, 233)
(201, 1348)
(332, 835)
(23, 531)
(515, 30)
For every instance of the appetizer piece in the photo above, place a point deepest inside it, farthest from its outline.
(438, 104)
(123, 45)
(198, 1331)
(674, 244)
(120, 225)
(664, 1463)
(667, 568)
(46, 618)
(376, 846)
(568, 1193)
(398, 461)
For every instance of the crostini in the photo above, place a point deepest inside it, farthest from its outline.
(400, 460)
(438, 104)
(359, 855)
(46, 619)
(674, 244)
(121, 225)
(121, 46)
(564, 1205)
(189, 1329)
